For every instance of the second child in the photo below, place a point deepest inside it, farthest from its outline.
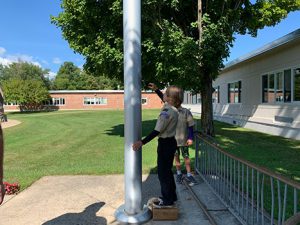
(184, 137)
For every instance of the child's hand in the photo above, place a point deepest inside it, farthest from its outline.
(189, 142)
(152, 86)
(137, 145)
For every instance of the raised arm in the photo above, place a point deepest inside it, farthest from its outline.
(153, 87)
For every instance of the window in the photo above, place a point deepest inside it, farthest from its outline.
(216, 95)
(55, 101)
(265, 88)
(94, 101)
(276, 87)
(271, 89)
(297, 84)
(144, 101)
(279, 87)
(11, 103)
(287, 86)
(234, 92)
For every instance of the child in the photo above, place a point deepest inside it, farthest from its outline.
(184, 137)
(165, 129)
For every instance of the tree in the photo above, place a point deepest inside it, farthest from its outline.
(25, 71)
(25, 84)
(29, 94)
(66, 77)
(70, 77)
(182, 44)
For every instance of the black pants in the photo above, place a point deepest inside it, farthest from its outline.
(165, 156)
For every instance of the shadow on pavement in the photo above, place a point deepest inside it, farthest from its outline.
(87, 217)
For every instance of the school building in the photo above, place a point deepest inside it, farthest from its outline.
(261, 90)
(91, 100)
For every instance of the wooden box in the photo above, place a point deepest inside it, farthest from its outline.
(165, 213)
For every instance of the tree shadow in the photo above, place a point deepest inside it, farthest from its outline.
(118, 130)
(276, 153)
(86, 217)
(43, 110)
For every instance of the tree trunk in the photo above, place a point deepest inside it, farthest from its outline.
(207, 123)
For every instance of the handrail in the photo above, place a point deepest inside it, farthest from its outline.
(254, 194)
(259, 168)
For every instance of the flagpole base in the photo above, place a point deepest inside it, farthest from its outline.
(139, 218)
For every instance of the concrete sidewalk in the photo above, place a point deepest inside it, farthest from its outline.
(87, 200)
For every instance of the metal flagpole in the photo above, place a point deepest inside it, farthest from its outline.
(132, 211)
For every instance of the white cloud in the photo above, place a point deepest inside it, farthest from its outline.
(9, 59)
(2, 50)
(52, 75)
(57, 61)
(4, 61)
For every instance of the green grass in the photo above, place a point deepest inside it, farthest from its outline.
(70, 142)
(278, 154)
(281, 155)
(92, 142)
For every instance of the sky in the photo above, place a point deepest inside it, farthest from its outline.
(27, 34)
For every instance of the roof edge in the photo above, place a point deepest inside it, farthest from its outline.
(268, 47)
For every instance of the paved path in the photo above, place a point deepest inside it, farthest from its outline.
(10, 123)
(91, 200)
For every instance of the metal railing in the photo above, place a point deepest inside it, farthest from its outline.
(253, 194)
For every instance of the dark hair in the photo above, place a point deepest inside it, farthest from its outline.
(175, 94)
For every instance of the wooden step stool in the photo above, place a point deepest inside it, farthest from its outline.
(163, 213)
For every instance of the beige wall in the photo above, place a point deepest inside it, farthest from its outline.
(251, 112)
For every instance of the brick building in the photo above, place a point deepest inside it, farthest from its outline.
(92, 99)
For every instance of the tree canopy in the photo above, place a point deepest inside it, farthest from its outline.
(26, 84)
(180, 44)
(70, 77)
(24, 71)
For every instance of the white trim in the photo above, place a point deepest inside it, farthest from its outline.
(293, 82)
(102, 98)
(91, 91)
(274, 72)
(233, 82)
(146, 103)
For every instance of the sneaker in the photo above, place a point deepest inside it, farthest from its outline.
(161, 204)
(191, 181)
(179, 178)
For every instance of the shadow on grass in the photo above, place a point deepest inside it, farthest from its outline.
(279, 154)
(118, 130)
(44, 110)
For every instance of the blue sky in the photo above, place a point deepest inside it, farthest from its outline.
(27, 34)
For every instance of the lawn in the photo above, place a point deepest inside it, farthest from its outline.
(70, 142)
(281, 155)
(91, 142)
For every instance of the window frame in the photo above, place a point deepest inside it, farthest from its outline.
(96, 100)
(284, 85)
(216, 90)
(51, 101)
(239, 92)
(145, 98)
